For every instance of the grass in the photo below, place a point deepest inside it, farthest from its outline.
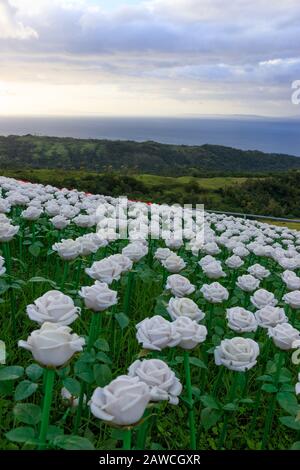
(205, 183)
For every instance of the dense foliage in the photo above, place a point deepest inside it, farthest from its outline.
(144, 157)
(277, 195)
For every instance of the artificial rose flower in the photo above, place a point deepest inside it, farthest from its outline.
(99, 296)
(174, 263)
(292, 299)
(32, 213)
(291, 280)
(206, 260)
(239, 354)
(284, 335)
(5, 206)
(191, 333)
(241, 320)
(288, 263)
(211, 248)
(87, 245)
(105, 270)
(67, 249)
(174, 243)
(53, 307)
(161, 380)
(8, 231)
(297, 386)
(162, 253)
(2, 267)
(214, 293)
(135, 251)
(258, 271)
(269, 316)
(84, 221)
(179, 285)
(262, 297)
(123, 261)
(247, 283)
(234, 262)
(53, 345)
(240, 251)
(122, 402)
(60, 222)
(214, 270)
(157, 333)
(185, 307)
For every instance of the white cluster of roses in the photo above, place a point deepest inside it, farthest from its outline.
(84, 245)
(124, 400)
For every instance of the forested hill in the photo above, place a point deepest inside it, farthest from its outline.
(146, 157)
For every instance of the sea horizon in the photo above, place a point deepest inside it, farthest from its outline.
(266, 134)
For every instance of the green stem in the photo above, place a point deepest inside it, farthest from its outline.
(257, 401)
(130, 281)
(78, 272)
(127, 439)
(210, 315)
(7, 256)
(226, 419)
(49, 381)
(190, 400)
(272, 403)
(143, 429)
(65, 274)
(218, 381)
(95, 327)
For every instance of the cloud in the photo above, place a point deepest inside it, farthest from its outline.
(10, 26)
(234, 49)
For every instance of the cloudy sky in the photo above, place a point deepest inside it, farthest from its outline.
(149, 58)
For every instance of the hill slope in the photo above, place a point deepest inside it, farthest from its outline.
(146, 157)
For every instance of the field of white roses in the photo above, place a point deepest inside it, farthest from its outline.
(160, 342)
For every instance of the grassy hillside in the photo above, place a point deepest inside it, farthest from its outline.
(277, 195)
(146, 157)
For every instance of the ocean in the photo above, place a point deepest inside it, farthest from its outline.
(265, 134)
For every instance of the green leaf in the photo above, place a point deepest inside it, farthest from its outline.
(160, 308)
(285, 375)
(102, 344)
(296, 446)
(25, 389)
(3, 287)
(102, 374)
(34, 372)
(34, 250)
(265, 378)
(210, 402)
(122, 320)
(269, 388)
(43, 279)
(101, 356)
(179, 359)
(22, 434)
(27, 413)
(84, 372)
(11, 372)
(73, 443)
(288, 402)
(53, 432)
(209, 417)
(197, 362)
(72, 385)
(290, 422)
(230, 407)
